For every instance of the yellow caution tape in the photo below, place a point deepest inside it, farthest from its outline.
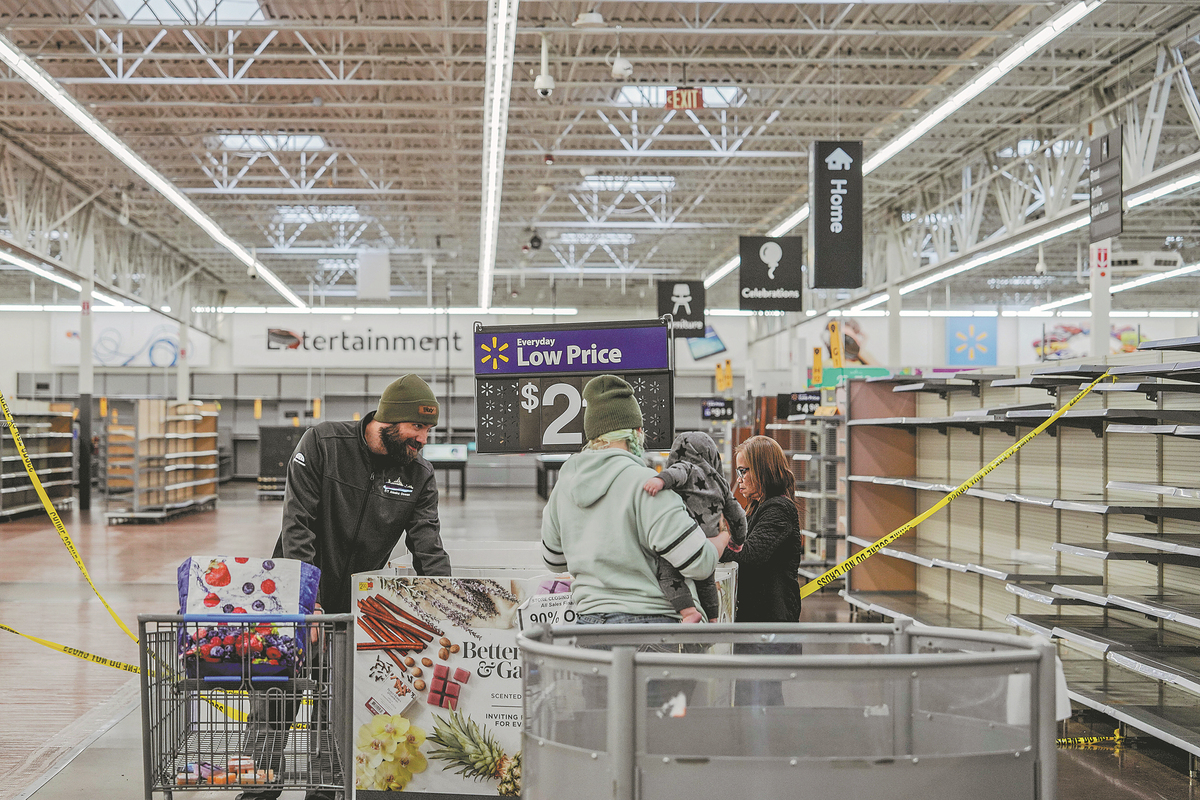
(58, 524)
(862, 555)
(1084, 741)
(71, 651)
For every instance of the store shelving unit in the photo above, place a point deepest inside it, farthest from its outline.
(48, 441)
(816, 447)
(161, 463)
(1090, 535)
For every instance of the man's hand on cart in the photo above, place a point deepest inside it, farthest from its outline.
(314, 632)
(721, 541)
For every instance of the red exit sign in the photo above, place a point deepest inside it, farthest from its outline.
(684, 99)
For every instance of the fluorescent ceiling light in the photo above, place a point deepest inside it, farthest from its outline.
(270, 142)
(501, 35)
(42, 272)
(642, 96)
(874, 301)
(995, 255)
(721, 271)
(793, 219)
(1161, 191)
(1006, 63)
(595, 238)
(294, 215)
(1012, 58)
(629, 183)
(1155, 277)
(40, 80)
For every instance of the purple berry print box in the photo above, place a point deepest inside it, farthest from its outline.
(239, 585)
(234, 586)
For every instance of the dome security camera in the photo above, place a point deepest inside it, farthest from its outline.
(622, 68)
(535, 242)
(549, 159)
(543, 84)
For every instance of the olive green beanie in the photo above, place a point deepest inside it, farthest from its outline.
(408, 399)
(611, 406)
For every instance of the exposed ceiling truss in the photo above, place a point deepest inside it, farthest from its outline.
(310, 130)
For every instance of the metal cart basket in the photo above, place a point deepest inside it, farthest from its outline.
(886, 711)
(246, 701)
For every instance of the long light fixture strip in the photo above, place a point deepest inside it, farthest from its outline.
(40, 80)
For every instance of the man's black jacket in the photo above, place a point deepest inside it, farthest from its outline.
(345, 510)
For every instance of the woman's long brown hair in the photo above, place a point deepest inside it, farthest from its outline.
(766, 460)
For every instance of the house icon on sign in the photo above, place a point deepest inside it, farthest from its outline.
(838, 159)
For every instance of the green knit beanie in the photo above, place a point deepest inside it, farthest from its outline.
(408, 399)
(611, 406)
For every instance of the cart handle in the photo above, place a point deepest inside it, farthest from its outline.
(239, 678)
(251, 618)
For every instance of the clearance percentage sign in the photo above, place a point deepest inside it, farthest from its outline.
(862, 555)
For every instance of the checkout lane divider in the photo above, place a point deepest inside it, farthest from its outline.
(58, 523)
(841, 569)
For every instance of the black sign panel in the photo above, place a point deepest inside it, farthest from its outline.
(684, 301)
(770, 273)
(717, 409)
(790, 405)
(1104, 179)
(835, 226)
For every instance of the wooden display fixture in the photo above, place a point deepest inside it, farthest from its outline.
(162, 462)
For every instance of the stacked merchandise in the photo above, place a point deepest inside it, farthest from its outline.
(163, 461)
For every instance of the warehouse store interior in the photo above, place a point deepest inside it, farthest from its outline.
(946, 255)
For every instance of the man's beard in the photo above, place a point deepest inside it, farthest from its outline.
(400, 448)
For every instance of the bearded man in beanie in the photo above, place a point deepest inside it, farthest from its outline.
(354, 488)
(602, 528)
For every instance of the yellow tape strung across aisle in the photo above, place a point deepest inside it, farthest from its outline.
(58, 523)
(71, 651)
(862, 555)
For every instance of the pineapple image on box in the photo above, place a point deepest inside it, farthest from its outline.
(475, 752)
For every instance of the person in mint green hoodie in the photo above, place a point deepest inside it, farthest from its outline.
(602, 528)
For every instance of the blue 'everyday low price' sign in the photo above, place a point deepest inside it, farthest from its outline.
(529, 382)
(543, 349)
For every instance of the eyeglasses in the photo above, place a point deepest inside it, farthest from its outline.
(741, 471)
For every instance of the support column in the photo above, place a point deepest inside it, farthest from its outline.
(1101, 284)
(87, 380)
(895, 353)
(183, 375)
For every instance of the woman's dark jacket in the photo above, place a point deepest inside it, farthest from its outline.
(768, 590)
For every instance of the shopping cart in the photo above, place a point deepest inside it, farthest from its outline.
(243, 702)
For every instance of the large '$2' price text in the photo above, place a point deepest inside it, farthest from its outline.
(551, 411)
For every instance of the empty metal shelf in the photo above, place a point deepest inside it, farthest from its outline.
(1042, 593)
(1027, 572)
(1191, 343)
(1124, 552)
(1182, 543)
(1186, 492)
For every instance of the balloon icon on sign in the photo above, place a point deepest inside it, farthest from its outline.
(770, 253)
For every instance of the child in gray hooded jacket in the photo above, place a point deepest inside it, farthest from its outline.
(693, 471)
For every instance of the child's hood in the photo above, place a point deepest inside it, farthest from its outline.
(695, 447)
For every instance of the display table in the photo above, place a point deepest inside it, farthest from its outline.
(546, 464)
(449, 457)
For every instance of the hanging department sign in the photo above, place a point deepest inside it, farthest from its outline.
(770, 275)
(684, 301)
(835, 229)
(1104, 186)
(529, 382)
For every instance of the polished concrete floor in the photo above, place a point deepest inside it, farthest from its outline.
(68, 728)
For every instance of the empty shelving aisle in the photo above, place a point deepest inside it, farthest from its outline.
(163, 462)
(1088, 535)
(48, 441)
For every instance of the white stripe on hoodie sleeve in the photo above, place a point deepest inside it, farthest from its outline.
(552, 549)
(686, 553)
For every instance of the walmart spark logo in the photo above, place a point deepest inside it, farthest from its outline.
(495, 353)
(971, 342)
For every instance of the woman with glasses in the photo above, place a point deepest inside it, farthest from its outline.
(768, 590)
(767, 585)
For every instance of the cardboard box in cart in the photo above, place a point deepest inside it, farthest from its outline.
(441, 710)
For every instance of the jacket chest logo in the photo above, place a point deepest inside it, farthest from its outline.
(397, 488)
